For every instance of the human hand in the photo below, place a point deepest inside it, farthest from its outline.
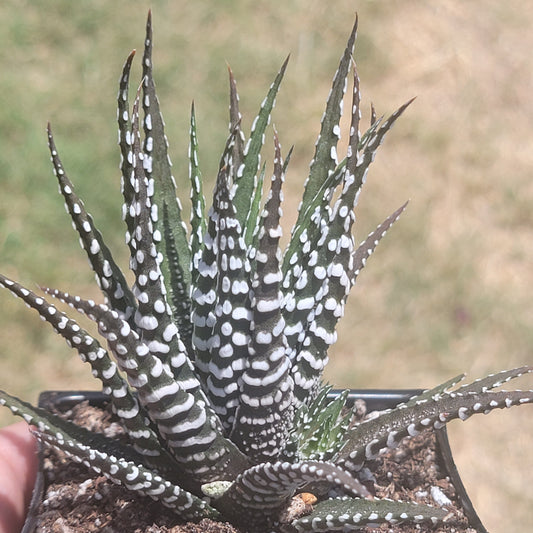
(18, 468)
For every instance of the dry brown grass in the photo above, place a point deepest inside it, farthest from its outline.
(449, 290)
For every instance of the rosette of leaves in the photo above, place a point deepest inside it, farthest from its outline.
(214, 357)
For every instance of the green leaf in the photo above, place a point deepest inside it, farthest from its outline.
(261, 493)
(109, 276)
(229, 339)
(204, 295)
(106, 456)
(252, 221)
(157, 166)
(183, 417)
(246, 180)
(325, 158)
(367, 247)
(265, 411)
(125, 143)
(235, 125)
(320, 426)
(198, 219)
(349, 514)
(372, 437)
(124, 403)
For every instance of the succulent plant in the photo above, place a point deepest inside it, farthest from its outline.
(215, 356)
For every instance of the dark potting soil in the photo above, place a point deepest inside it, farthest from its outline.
(76, 500)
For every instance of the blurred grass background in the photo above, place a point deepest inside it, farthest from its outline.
(449, 289)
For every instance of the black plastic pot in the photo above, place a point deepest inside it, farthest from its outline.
(376, 400)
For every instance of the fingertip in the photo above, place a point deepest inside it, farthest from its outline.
(18, 467)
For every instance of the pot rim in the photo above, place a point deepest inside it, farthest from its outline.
(376, 400)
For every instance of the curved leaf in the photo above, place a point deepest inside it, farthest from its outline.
(108, 275)
(123, 402)
(259, 495)
(373, 437)
(105, 456)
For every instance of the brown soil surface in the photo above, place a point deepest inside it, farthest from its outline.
(78, 501)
